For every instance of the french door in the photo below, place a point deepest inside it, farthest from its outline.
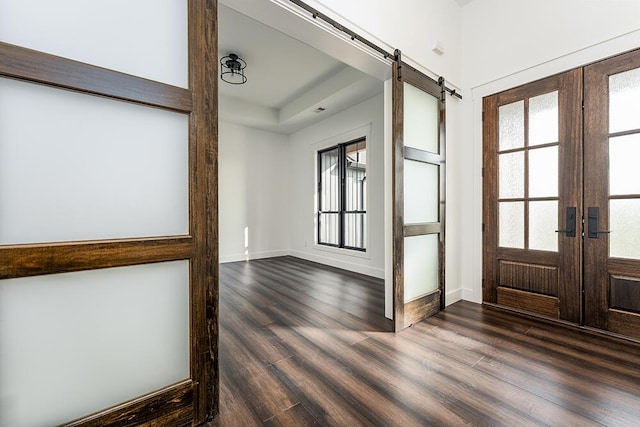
(562, 196)
(612, 194)
(418, 195)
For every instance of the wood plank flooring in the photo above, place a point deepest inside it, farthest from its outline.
(303, 344)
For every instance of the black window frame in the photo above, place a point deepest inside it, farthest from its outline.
(342, 199)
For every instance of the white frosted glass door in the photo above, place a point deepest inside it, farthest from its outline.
(95, 168)
(419, 196)
(84, 31)
(75, 343)
(108, 213)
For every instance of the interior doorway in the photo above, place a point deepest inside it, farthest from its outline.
(278, 195)
(408, 297)
(561, 196)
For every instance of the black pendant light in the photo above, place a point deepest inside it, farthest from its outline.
(232, 69)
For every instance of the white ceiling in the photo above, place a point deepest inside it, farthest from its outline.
(463, 2)
(286, 79)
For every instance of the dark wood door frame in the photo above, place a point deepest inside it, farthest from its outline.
(194, 400)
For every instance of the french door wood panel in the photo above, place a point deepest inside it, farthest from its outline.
(589, 272)
(527, 131)
(612, 191)
(418, 117)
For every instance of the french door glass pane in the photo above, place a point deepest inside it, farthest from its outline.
(543, 172)
(624, 152)
(624, 217)
(329, 228)
(511, 173)
(421, 192)
(543, 221)
(624, 101)
(511, 126)
(543, 119)
(77, 167)
(330, 180)
(511, 224)
(421, 111)
(421, 261)
(355, 227)
(75, 343)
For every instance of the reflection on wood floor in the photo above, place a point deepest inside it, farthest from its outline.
(304, 344)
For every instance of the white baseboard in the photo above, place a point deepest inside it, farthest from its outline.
(253, 255)
(453, 296)
(468, 294)
(369, 271)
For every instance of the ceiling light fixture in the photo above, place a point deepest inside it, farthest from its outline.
(232, 69)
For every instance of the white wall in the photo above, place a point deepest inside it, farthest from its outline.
(507, 43)
(366, 117)
(267, 184)
(412, 26)
(253, 180)
(504, 37)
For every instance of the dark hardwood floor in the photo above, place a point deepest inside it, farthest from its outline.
(304, 344)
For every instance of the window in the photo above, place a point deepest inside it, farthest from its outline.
(342, 195)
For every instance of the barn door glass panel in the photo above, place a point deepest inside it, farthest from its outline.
(421, 197)
(94, 167)
(421, 111)
(98, 337)
(157, 53)
(421, 191)
(420, 265)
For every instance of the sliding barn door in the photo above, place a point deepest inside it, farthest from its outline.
(418, 195)
(612, 195)
(532, 212)
(108, 217)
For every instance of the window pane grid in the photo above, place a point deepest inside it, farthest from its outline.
(342, 195)
(528, 173)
